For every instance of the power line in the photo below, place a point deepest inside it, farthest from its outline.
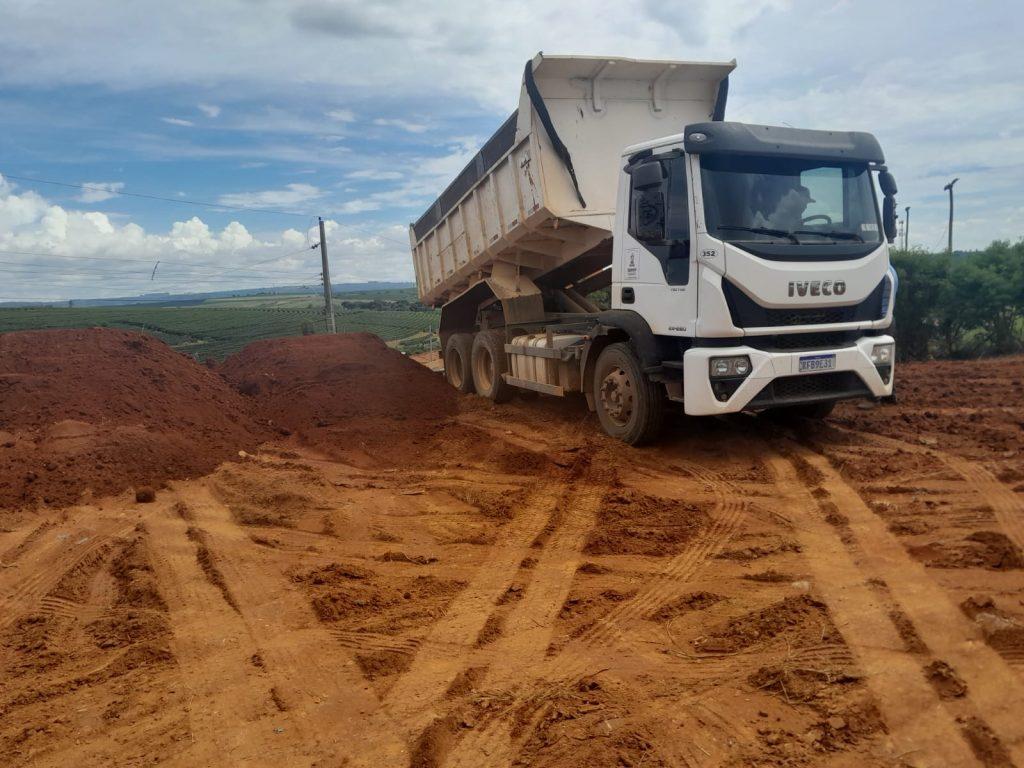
(179, 200)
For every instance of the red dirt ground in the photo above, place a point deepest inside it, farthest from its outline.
(102, 410)
(401, 578)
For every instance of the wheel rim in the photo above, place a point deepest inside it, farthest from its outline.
(484, 372)
(454, 368)
(617, 396)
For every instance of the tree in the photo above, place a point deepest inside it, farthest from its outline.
(924, 282)
(989, 288)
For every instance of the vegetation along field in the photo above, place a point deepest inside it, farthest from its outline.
(221, 327)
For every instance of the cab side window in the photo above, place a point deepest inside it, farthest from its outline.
(658, 213)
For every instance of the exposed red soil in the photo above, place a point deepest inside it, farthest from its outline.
(969, 406)
(103, 410)
(529, 592)
(347, 394)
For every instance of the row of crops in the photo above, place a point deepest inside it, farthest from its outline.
(217, 332)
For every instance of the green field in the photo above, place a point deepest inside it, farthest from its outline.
(222, 327)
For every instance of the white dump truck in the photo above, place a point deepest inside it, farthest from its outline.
(743, 267)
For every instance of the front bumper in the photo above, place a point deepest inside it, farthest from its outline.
(775, 380)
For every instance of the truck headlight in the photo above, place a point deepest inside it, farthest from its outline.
(729, 367)
(882, 354)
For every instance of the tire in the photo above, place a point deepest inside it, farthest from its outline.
(807, 411)
(457, 355)
(489, 363)
(630, 406)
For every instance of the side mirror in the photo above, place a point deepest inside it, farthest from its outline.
(887, 183)
(647, 175)
(889, 217)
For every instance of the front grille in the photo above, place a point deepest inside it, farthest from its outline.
(809, 388)
(789, 342)
(747, 313)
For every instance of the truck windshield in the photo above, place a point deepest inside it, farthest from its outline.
(787, 200)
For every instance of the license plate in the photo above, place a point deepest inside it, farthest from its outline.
(812, 363)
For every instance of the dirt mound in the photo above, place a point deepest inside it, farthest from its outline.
(630, 522)
(106, 410)
(346, 394)
(804, 619)
(982, 549)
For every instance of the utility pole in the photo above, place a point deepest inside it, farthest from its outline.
(906, 229)
(328, 296)
(949, 188)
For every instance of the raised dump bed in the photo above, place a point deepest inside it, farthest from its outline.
(541, 191)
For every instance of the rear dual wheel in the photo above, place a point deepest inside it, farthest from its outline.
(629, 405)
(490, 363)
(457, 355)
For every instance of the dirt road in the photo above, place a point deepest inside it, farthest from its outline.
(509, 588)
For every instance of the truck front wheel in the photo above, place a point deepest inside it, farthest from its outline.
(629, 405)
(489, 363)
(457, 353)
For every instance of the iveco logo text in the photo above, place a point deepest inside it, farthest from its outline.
(817, 288)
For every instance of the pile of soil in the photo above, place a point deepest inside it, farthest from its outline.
(630, 522)
(346, 394)
(103, 410)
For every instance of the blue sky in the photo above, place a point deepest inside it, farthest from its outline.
(363, 112)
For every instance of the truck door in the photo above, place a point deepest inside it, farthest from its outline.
(655, 260)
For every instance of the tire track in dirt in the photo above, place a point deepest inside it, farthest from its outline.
(491, 744)
(10, 555)
(672, 579)
(414, 698)
(918, 724)
(529, 627)
(1005, 504)
(42, 568)
(996, 693)
(214, 649)
(314, 679)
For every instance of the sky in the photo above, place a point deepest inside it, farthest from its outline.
(363, 112)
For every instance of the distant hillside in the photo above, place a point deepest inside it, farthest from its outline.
(184, 299)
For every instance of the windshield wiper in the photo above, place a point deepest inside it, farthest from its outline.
(762, 231)
(833, 235)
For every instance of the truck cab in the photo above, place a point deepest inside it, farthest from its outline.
(761, 250)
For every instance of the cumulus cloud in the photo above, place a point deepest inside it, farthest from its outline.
(98, 191)
(341, 115)
(178, 121)
(210, 110)
(56, 253)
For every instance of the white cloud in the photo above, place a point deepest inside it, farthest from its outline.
(405, 125)
(291, 195)
(178, 121)
(98, 191)
(111, 259)
(360, 206)
(875, 65)
(375, 175)
(210, 110)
